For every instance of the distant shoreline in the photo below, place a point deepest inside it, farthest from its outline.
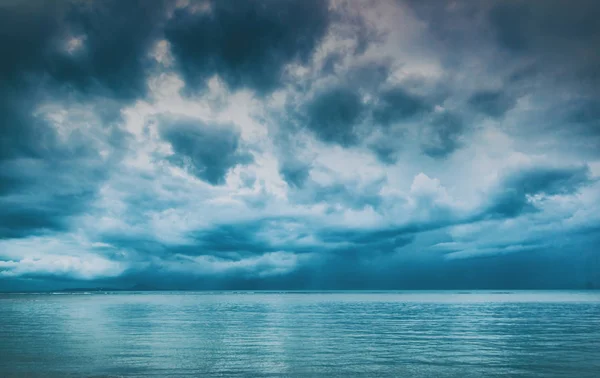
(334, 291)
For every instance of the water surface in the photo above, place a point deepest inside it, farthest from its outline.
(412, 334)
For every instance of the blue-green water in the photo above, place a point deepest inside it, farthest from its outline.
(411, 334)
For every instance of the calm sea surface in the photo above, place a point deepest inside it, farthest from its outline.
(401, 334)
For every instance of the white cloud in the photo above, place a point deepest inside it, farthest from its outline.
(76, 267)
(268, 264)
(68, 256)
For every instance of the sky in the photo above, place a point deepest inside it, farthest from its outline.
(299, 144)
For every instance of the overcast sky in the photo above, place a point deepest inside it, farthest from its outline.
(299, 144)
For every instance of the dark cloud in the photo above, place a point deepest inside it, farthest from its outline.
(338, 113)
(38, 65)
(207, 151)
(441, 135)
(536, 269)
(512, 197)
(74, 52)
(583, 117)
(370, 270)
(492, 103)
(44, 179)
(246, 43)
(396, 104)
(388, 144)
(108, 55)
(245, 239)
(27, 34)
(566, 122)
(22, 134)
(367, 242)
(294, 166)
(236, 240)
(114, 54)
(556, 36)
(39, 216)
(586, 112)
(333, 115)
(510, 21)
(231, 241)
(40, 196)
(367, 76)
(552, 35)
(522, 25)
(386, 152)
(295, 173)
(93, 58)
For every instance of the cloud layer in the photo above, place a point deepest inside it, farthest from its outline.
(299, 144)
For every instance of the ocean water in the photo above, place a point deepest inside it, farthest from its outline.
(399, 334)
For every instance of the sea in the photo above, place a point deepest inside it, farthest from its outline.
(301, 334)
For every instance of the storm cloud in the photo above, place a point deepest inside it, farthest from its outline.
(207, 151)
(299, 144)
(247, 44)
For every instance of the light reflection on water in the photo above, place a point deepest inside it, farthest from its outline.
(428, 334)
